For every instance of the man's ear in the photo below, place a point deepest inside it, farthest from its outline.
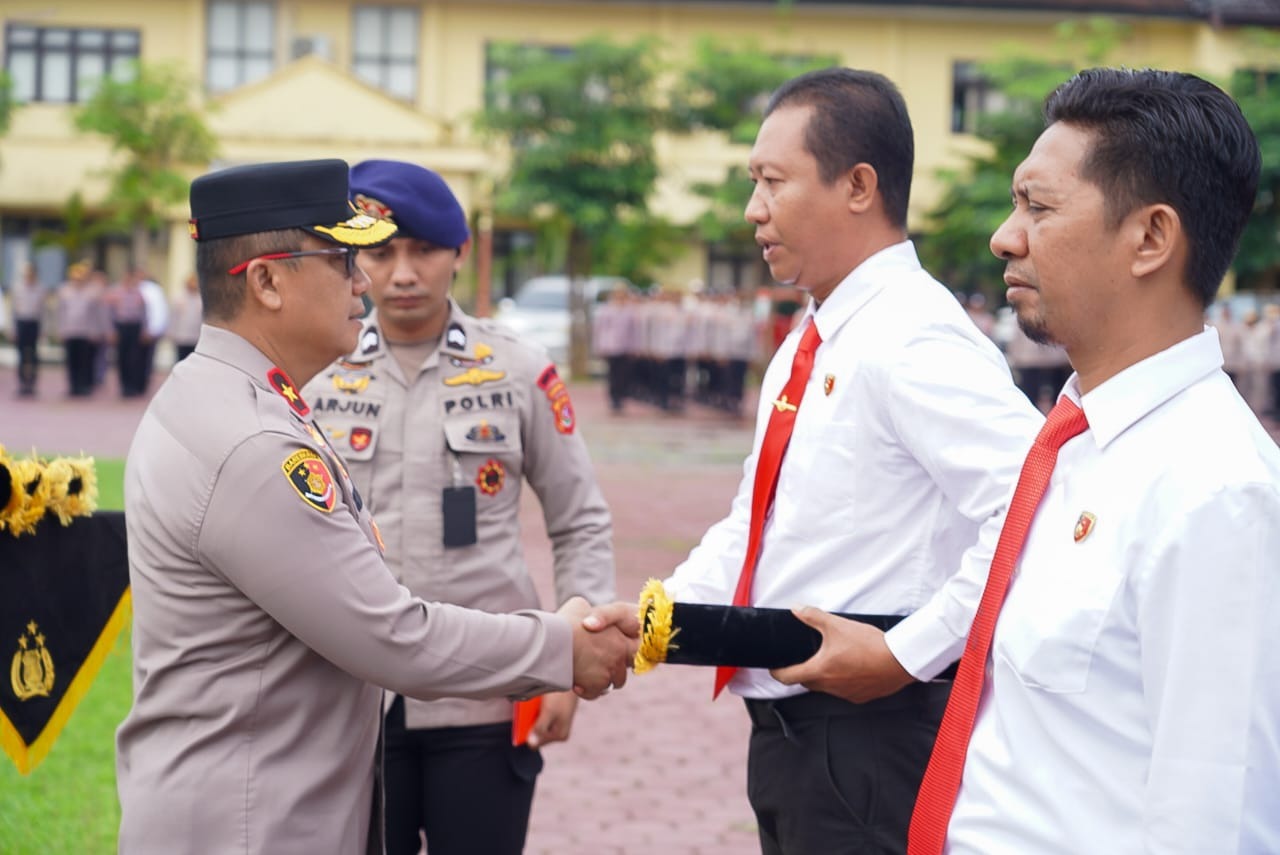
(863, 182)
(262, 286)
(1158, 239)
(464, 252)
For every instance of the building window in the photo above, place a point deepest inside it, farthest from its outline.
(241, 47)
(65, 64)
(972, 97)
(385, 48)
(497, 70)
(736, 266)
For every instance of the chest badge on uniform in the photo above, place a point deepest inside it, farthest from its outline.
(284, 388)
(491, 477)
(351, 382)
(475, 372)
(558, 394)
(485, 432)
(828, 384)
(360, 438)
(1084, 526)
(311, 479)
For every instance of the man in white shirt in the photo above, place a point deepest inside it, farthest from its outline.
(908, 438)
(1132, 693)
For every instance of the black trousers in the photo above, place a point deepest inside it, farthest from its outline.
(79, 358)
(827, 777)
(130, 356)
(28, 356)
(619, 379)
(468, 788)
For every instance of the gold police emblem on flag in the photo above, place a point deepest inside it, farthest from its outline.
(1084, 526)
(31, 673)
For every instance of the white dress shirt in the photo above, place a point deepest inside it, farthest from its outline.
(908, 441)
(1133, 695)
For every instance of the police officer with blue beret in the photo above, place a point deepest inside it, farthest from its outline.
(441, 418)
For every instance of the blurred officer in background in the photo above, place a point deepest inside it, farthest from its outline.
(441, 417)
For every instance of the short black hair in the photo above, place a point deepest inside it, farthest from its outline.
(859, 117)
(1172, 138)
(221, 294)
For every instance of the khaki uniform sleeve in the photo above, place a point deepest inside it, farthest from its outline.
(317, 574)
(558, 468)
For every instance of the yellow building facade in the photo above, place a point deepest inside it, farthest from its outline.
(289, 79)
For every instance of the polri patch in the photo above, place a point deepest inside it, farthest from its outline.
(311, 479)
(360, 438)
(491, 477)
(558, 394)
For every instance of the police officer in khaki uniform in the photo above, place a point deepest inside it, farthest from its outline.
(441, 417)
(265, 619)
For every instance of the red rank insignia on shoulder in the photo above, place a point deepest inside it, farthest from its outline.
(558, 394)
(285, 389)
(311, 479)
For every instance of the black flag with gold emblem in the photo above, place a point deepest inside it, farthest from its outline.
(64, 597)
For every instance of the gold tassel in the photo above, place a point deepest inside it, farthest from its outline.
(656, 634)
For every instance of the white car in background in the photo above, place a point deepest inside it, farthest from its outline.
(539, 311)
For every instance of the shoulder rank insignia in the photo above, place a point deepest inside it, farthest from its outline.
(311, 479)
(285, 388)
(31, 673)
(1084, 526)
(370, 341)
(474, 375)
(491, 477)
(485, 432)
(558, 394)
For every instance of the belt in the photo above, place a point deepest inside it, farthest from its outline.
(777, 711)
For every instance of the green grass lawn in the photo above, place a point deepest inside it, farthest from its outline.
(68, 806)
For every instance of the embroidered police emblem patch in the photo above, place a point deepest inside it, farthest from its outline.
(558, 394)
(485, 432)
(360, 438)
(491, 477)
(311, 479)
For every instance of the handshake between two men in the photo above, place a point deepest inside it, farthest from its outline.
(841, 655)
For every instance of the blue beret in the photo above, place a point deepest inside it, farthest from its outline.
(413, 197)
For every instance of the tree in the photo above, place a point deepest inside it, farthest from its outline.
(150, 119)
(76, 230)
(1256, 87)
(975, 198)
(579, 125)
(725, 89)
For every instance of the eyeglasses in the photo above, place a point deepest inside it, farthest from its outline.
(348, 251)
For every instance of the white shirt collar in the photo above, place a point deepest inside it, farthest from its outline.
(1123, 400)
(859, 287)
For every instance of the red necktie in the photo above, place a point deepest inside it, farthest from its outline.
(768, 462)
(941, 783)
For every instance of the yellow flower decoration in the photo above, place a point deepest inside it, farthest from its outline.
(73, 487)
(28, 479)
(10, 494)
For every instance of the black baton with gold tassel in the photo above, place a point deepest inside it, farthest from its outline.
(737, 636)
